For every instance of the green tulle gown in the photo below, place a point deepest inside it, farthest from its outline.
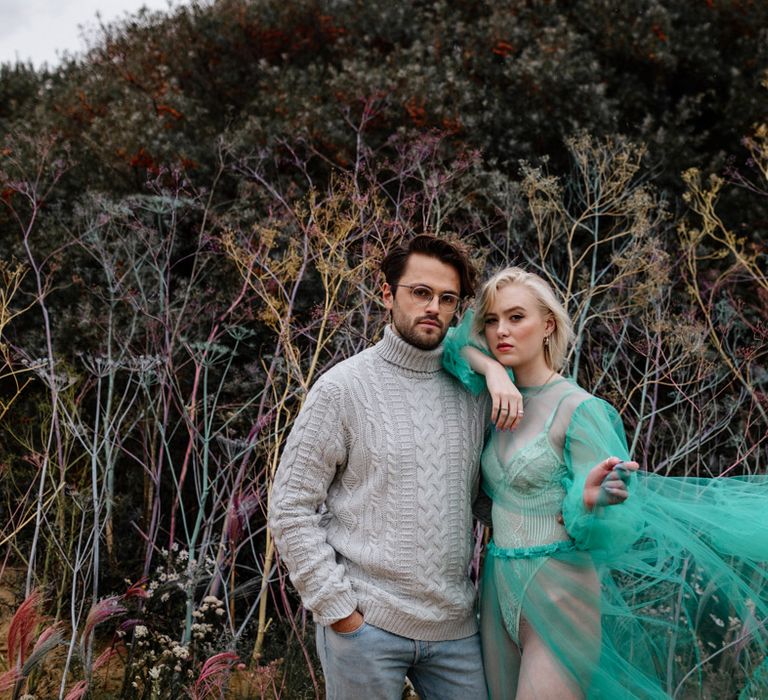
(665, 595)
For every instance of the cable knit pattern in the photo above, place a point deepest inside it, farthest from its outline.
(371, 505)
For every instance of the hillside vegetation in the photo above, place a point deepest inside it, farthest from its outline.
(192, 214)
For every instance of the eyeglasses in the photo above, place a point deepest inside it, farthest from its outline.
(423, 295)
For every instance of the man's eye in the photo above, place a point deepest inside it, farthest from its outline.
(422, 293)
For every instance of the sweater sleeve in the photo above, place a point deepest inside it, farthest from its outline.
(313, 452)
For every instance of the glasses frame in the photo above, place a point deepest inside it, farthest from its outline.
(453, 299)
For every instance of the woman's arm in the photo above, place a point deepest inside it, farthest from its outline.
(478, 371)
(506, 400)
(595, 430)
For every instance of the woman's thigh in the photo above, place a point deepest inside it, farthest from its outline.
(560, 630)
(501, 654)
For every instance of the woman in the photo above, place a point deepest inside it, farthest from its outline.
(577, 599)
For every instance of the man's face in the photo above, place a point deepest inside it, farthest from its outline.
(423, 326)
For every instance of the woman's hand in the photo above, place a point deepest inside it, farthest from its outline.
(506, 400)
(606, 483)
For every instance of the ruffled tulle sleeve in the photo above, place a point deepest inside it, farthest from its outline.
(456, 364)
(595, 433)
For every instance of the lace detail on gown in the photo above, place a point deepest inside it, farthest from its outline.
(526, 486)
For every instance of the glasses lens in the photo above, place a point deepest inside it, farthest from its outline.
(423, 295)
(449, 302)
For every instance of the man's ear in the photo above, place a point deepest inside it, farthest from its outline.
(386, 296)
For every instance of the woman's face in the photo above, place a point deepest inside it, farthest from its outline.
(515, 328)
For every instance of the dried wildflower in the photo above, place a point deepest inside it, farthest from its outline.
(22, 625)
(78, 691)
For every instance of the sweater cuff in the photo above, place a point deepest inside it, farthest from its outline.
(336, 610)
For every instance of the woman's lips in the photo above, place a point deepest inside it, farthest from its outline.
(503, 347)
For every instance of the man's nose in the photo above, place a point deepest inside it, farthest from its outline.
(434, 305)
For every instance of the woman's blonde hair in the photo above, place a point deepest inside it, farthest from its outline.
(556, 348)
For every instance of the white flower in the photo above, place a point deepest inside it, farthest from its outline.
(717, 620)
(212, 600)
(181, 652)
(140, 631)
(154, 673)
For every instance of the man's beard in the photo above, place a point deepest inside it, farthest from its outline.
(411, 336)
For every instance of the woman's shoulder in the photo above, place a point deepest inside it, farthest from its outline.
(568, 394)
(590, 410)
(578, 402)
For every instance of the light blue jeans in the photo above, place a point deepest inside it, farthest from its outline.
(372, 664)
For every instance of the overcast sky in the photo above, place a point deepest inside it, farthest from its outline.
(41, 30)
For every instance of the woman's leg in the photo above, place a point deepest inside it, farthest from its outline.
(560, 632)
(501, 654)
(542, 677)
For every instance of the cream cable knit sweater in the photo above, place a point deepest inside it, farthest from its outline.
(371, 504)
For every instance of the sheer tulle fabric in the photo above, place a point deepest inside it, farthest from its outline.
(663, 596)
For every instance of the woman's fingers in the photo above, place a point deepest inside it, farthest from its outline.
(507, 412)
(614, 488)
(516, 403)
(506, 400)
(499, 412)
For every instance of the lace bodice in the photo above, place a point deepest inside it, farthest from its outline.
(523, 472)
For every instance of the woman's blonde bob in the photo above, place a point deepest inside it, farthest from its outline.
(556, 348)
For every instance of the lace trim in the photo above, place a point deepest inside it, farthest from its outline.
(541, 550)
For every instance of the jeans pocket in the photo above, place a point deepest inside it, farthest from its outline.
(352, 634)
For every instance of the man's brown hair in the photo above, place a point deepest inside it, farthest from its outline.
(449, 252)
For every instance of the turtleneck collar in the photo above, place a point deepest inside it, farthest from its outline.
(396, 351)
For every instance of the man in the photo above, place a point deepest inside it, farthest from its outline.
(371, 507)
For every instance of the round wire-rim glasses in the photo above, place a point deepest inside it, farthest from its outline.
(423, 295)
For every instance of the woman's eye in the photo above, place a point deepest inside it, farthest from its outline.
(489, 321)
(515, 317)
